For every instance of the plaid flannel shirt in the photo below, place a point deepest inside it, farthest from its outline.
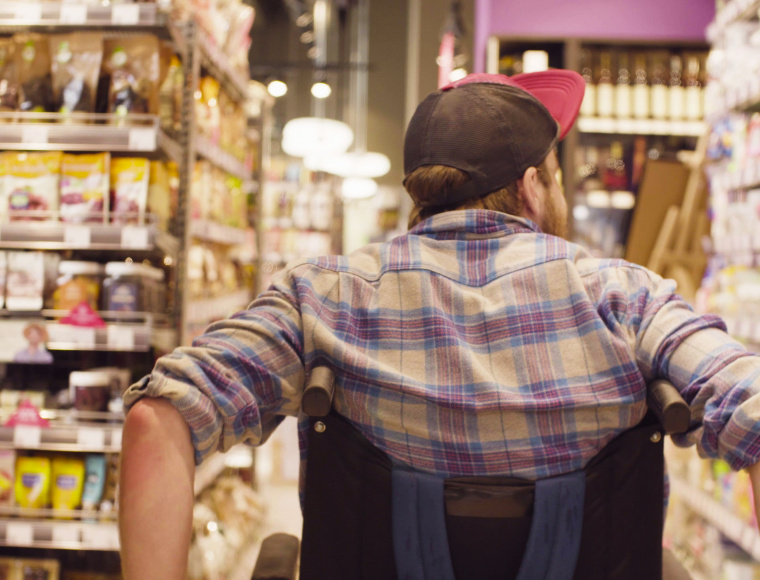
(473, 345)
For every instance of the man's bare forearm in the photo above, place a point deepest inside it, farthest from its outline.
(156, 492)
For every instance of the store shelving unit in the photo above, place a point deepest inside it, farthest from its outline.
(43, 534)
(640, 126)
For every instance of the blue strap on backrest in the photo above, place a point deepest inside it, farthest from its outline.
(555, 533)
(420, 543)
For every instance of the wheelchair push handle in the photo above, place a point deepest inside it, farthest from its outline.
(668, 406)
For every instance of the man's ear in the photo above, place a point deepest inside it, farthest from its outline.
(528, 189)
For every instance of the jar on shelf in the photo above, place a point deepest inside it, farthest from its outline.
(131, 287)
(78, 282)
(90, 390)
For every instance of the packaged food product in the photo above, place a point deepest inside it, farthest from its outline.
(32, 488)
(26, 281)
(3, 272)
(130, 177)
(133, 287)
(7, 566)
(167, 108)
(8, 84)
(207, 109)
(91, 390)
(85, 187)
(95, 480)
(159, 194)
(38, 569)
(32, 61)
(132, 67)
(76, 62)
(78, 282)
(7, 470)
(68, 482)
(31, 184)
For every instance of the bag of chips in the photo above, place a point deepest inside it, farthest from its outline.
(130, 177)
(85, 187)
(31, 184)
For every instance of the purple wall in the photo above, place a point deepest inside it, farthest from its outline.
(604, 19)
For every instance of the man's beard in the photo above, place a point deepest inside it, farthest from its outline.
(555, 219)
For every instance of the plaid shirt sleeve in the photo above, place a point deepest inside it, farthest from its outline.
(716, 375)
(240, 378)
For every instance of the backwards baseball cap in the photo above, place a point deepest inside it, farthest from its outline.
(493, 127)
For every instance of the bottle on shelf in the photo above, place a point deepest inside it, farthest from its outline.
(659, 88)
(588, 107)
(693, 88)
(615, 176)
(641, 98)
(623, 95)
(605, 89)
(677, 97)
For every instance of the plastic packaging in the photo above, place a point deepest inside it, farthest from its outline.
(90, 390)
(31, 184)
(76, 60)
(159, 194)
(130, 178)
(68, 483)
(132, 68)
(95, 480)
(85, 183)
(78, 282)
(9, 90)
(32, 61)
(133, 288)
(7, 470)
(32, 488)
(26, 281)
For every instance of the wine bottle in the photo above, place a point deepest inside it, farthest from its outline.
(640, 88)
(588, 107)
(659, 88)
(677, 97)
(623, 95)
(605, 90)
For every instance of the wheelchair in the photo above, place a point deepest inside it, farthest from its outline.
(365, 518)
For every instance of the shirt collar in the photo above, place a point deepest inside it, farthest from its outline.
(474, 223)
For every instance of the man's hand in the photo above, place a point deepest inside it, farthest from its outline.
(156, 492)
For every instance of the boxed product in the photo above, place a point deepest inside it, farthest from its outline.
(31, 184)
(7, 471)
(32, 489)
(130, 179)
(32, 62)
(84, 184)
(132, 69)
(76, 62)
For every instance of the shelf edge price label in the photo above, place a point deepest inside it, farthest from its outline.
(121, 337)
(19, 534)
(78, 236)
(28, 12)
(66, 534)
(91, 438)
(73, 14)
(135, 237)
(141, 139)
(81, 336)
(125, 14)
(35, 134)
(116, 439)
(27, 436)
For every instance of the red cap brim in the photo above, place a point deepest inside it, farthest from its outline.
(560, 91)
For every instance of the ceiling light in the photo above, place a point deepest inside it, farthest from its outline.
(321, 90)
(277, 88)
(364, 164)
(358, 188)
(622, 200)
(309, 135)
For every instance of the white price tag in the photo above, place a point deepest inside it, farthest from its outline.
(79, 336)
(78, 236)
(125, 14)
(93, 537)
(121, 337)
(66, 534)
(73, 14)
(92, 438)
(28, 12)
(35, 134)
(116, 439)
(19, 534)
(142, 139)
(134, 237)
(27, 436)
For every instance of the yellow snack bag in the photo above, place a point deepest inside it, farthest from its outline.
(33, 482)
(84, 187)
(68, 482)
(130, 177)
(31, 184)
